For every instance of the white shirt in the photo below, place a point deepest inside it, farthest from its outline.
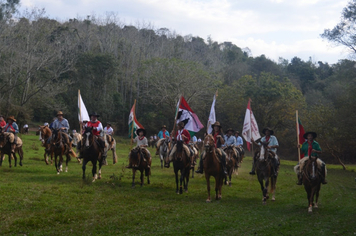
(109, 130)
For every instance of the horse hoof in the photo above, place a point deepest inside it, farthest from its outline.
(230, 185)
(20, 164)
(99, 177)
(208, 201)
(93, 180)
(310, 209)
(315, 205)
(57, 173)
(273, 199)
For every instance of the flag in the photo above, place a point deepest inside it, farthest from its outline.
(188, 117)
(133, 123)
(212, 117)
(250, 129)
(82, 110)
(301, 133)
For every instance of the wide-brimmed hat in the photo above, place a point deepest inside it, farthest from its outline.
(139, 130)
(310, 132)
(164, 126)
(46, 124)
(108, 123)
(229, 129)
(94, 114)
(59, 113)
(217, 123)
(181, 124)
(237, 132)
(269, 129)
(11, 118)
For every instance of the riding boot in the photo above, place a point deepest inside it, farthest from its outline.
(201, 166)
(13, 147)
(223, 163)
(323, 180)
(300, 178)
(275, 167)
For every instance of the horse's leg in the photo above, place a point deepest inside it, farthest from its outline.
(15, 158)
(46, 157)
(230, 178)
(10, 159)
(60, 162)
(99, 171)
(161, 157)
(317, 195)
(133, 177)
(114, 156)
(176, 174)
(141, 177)
(2, 158)
(67, 160)
(260, 180)
(93, 171)
(217, 182)
(181, 180)
(273, 187)
(220, 187)
(85, 161)
(208, 186)
(56, 163)
(266, 187)
(187, 180)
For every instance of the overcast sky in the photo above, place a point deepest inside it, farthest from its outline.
(276, 28)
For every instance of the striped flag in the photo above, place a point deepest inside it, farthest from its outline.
(301, 133)
(133, 123)
(250, 129)
(188, 117)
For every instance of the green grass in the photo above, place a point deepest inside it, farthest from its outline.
(34, 200)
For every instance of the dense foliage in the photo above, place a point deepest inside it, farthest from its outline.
(43, 63)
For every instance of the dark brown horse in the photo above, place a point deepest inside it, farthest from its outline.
(59, 148)
(312, 182)
(231, 162)
(137, 162)
(212, 167)
(5, 148)
(91, 152)
(264, 170)
(45, 133)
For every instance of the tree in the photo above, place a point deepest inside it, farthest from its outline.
(7, 8)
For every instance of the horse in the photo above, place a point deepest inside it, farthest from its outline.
(195, 150)
(264, 171)
(241, 152)
(44, 134)
(212, 167)
(110, 144)
(5, 148)
(91, 152)
(137, 162)
(182, 163)
(311, 179)
(232, 157)
(164, 147)
(59, 148)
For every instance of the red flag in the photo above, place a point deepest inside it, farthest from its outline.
(250, 129)
(301, 133)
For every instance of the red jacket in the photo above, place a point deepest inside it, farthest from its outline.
(186, 133)
(95, 124)
(2, 123)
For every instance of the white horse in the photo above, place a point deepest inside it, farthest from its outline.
(110, 146)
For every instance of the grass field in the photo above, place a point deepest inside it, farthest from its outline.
(36, 201)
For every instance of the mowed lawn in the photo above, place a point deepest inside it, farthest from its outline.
(34, 200)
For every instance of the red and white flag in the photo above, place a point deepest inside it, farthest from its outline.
(250, 129)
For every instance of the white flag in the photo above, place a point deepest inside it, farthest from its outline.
(250, 129)
(82, 110)
(212, 117)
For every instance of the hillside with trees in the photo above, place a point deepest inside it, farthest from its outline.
(43, 63)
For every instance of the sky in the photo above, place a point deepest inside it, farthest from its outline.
(275, 28)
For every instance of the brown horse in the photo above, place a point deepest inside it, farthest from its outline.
(231, 162)
(312, 182)
(137, 162)
(212, 167)
(91, 152)
(5, 148)
(45, 133)
(264, 170)
(182, 163)
(59, 147)
(193, 161)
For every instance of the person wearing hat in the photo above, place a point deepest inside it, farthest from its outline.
(311, 148)
(163, 133)
(108, 129)
(62, 125)
(181, 135)
(142, 143)
(2, 122)
(239, 142)
(13, 129)
(219, 141)
(229, 138)
(272, 147)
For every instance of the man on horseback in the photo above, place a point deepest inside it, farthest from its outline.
(311, 148)
(12, 128)
(181, 135)
(163, 134)
(272, 147)
(62, 125)
(109, 131)
(2, 122)
(142, 142)
(219, 141)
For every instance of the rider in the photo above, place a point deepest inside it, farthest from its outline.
(272, 147)
(62, 124)
(97, 128)
(108, 129)
(2, 122)
(183, 135)
(142, 142)
(13, 129)
(239, 143)
(163, 133)
(229, 138)
(311, 148)
(219, 141)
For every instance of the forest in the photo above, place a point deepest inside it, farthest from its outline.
(43, 63)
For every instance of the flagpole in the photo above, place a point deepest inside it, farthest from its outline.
(80, 113)
(133, 123)
(296, 119)
(175, 118)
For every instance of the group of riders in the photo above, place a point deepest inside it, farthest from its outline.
(310, 148)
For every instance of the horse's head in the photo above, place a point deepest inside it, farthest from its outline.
(56, 136)
(76, 138)
(209, 142)
(88, 137)
(264, 151)
(44, 132)
(230, 152)
(135, 156)
(179, 152)
(2, 139)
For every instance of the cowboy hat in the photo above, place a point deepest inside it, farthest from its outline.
(11, 118)
(60, 113)
(229, 129)
(310, 132)
(217, 123)
(94, 114)
(108, 123)
(269, 129)
(46, 124)
(164, 126)
(139, 130)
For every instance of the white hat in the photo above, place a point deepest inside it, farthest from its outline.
(45, 124)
